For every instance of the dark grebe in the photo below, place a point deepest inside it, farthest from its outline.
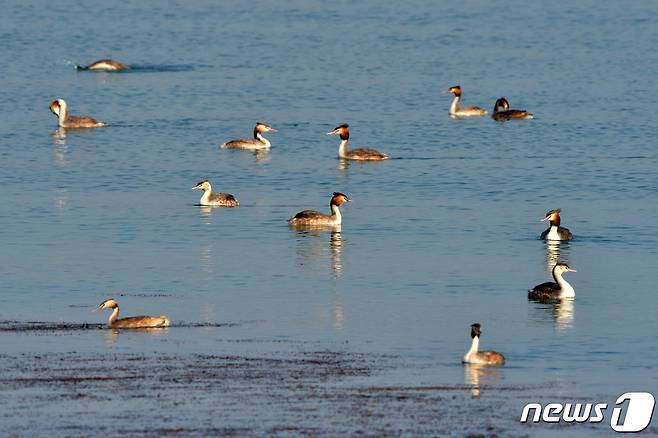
(553, 290)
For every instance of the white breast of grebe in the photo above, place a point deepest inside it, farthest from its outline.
(567, 290)
(553, 233)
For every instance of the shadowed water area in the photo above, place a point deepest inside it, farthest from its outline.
(278, 331)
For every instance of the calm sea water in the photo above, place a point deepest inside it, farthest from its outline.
(443, 235)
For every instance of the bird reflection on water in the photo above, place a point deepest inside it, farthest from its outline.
(556, 252)
(476, 376)
(313, 252)
(111, 336)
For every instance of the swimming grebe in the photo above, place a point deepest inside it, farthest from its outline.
(60, 109)
(214, 199)
(312, 217)
(362, 154)
(104, 65)
(474, 356)
(555, 231)
(550, 290)
(467, 111)
(258, 142)
(132, 322)
(508, 114)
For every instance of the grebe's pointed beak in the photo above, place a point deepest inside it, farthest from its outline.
(332, 132)
(272, 129)
(571, 270)
(545, 219)
(195, 188)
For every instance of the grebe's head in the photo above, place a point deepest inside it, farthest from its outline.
(57, 105)
(107, 304)
(264, 127)
(202, 185)
(503, 103)
(552, 215)
(456, 90)
(342, 130)
(561, 268)
(339, 198)
(475, 330)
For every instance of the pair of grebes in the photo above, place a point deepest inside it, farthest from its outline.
(473, 356)
(501, 111)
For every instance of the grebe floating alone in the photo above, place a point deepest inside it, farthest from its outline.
(508, 114)
(312, 217)
(467, 111)
(550, 290)
(258, 142)
(361, 154)
(133, 321)
(104, 65)
(555, 231)
(60, 109)
(214, 199)
(473, 356)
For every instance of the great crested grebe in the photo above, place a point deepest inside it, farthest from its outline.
(508, 114)
(60, 109)
(555, 231)
(473, 356)
(133, 321)
(258, 142)
(312, 217)
(467, 111)
(104, 65)
(362, 154)
(215, 199)
(551, 290)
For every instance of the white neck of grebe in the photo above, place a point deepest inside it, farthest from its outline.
(565, 288)
(335, 214)
(114, 316)
(553, 233)
(454, 107)
(475, 345)
(342, 149)
(206, 195)
(262, 139)
(61, 117)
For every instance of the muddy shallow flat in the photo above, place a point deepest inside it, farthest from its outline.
(255, 387)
